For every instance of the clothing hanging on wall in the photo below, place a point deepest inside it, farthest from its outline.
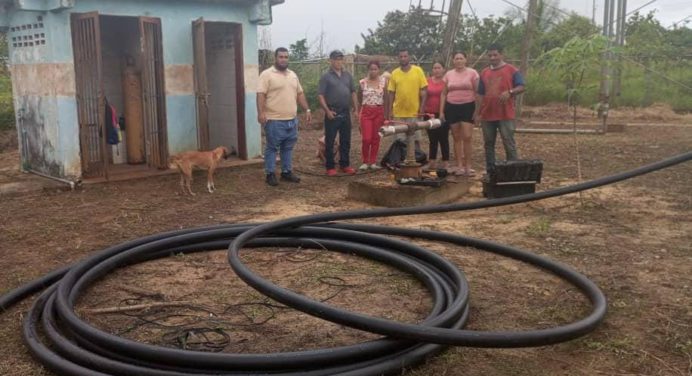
(114, 136)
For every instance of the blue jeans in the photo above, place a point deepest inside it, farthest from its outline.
(282, 136)
(506, 128)
(341, 124)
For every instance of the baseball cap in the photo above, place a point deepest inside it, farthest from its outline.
(336, 54)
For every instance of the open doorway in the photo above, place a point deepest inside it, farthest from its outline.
(119, 76)
(219, 85)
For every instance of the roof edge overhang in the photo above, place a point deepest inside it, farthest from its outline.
(56, 5)
(260, 10)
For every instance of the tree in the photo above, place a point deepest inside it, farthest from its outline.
(476, 35)
(574, 61)
(573, 26)
(645, 37)
(416, 30)
(645, 42)
(299, 50)
(680, 40)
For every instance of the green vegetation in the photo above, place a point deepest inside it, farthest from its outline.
(540, 228)
(656, 62)
(6, 104)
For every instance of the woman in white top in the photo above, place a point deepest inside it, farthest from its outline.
(372, 96)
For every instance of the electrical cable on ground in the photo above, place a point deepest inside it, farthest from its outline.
(60, 340)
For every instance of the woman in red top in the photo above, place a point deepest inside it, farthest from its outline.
(440, 136)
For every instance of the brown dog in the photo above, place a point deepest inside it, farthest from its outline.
(321, 149)
(207, 160)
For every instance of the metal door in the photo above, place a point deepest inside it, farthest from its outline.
(91, 110)
(153, 93)
(201, 84)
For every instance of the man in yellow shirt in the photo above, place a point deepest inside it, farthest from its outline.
(407, 88)
(278, 94)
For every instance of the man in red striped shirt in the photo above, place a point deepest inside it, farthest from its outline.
(498, 85)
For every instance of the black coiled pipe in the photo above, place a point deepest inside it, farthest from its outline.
(73, 347)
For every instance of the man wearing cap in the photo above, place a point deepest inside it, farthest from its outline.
(337, 95)
(278, 94)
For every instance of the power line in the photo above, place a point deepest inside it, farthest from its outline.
(570, 14)
(681, 21)
(473, 11)
(560, 10)
(658, 73)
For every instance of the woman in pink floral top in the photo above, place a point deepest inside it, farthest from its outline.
(373, 99)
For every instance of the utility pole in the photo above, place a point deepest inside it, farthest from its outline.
(620, 41)
(451, 30)
(604, 96)
(527, 42)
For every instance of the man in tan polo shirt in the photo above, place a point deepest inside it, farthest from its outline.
(278, 94)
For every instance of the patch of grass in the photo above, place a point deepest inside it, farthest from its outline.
(684, 347)
(403, 286)
(618, 346)
(539, 228)
(506, 218)
(558, 313)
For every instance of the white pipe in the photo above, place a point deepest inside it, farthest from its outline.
(557, 131)
(389, 130)
(73, 184)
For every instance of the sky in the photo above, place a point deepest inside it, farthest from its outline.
(342, 21)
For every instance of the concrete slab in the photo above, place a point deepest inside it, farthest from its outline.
(383, 191)
(28, 184)
(125, 172)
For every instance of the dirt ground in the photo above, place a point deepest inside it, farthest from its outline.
(634, 239)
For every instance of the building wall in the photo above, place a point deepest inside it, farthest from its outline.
(43, 91)
(44, 82)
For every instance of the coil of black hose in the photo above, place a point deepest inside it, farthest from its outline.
(75, 348)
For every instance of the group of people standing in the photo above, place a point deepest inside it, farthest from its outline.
(460, 97)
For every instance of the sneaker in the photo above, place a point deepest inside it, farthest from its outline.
(331, 172)
(348, 170)
(375, 167)
(288, 176)
(363, 167)
(271, 180)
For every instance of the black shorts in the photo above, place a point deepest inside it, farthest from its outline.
(455, 113)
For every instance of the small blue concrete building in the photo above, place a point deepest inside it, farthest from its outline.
(182, 74)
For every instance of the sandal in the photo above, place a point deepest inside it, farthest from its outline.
(458, 172)
(430, 166)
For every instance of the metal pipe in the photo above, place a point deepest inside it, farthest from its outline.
(390, 130)
(558, 131)
(73, 184)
